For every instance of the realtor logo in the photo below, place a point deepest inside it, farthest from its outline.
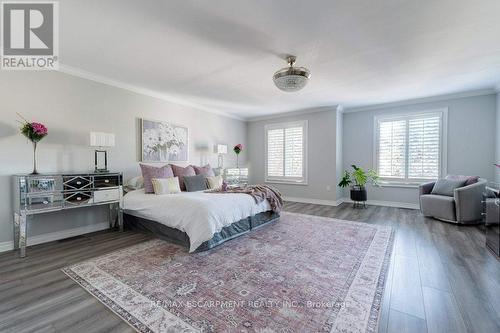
(29, 35)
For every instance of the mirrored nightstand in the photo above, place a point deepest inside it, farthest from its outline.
(236, 176)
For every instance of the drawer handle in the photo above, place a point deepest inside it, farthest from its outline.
(78, 198)
(78, 183)
(106, 180)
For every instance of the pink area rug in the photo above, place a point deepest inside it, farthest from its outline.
(301, 274)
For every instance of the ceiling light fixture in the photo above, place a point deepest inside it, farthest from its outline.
(291, 78)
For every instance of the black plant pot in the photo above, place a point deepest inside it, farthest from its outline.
(358, 195)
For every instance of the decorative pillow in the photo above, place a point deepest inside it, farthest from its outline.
(215, 182)
(182, 172)
(446, 186)
(472, 180)
(166, 185)
(195, 183)
(136, 183)
(469, 180)
(149, 172)
(204, 170)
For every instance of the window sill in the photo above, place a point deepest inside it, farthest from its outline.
(284, 182)
(398, 184)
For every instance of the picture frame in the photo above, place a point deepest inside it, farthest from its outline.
(164, 142)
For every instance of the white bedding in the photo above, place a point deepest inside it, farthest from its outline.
(200, 215)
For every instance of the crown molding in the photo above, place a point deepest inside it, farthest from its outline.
(293, 113)
(437, 98)
(74, 71)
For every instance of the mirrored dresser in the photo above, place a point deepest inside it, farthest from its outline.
(45, 193)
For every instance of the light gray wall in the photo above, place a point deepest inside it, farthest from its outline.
(497, 141)
(471, 142)
(321, 153)
(72, 107)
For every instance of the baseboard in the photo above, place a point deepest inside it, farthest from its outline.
(347, 200)
(314, 201)
(6, 246)
(53, 236)
(395, 204)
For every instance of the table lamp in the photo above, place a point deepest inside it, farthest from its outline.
(221, 150)
(101, 140)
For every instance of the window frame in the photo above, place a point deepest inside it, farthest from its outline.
(284, 179)
(442, 113)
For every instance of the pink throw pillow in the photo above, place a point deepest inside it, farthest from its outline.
(149, 172)
(204, 170)
(182, 172)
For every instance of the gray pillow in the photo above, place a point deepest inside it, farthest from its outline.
(447, 186)
(195, 183)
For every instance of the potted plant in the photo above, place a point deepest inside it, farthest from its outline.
(357, 180)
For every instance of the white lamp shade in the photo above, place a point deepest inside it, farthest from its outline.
(221, 149)
(100, 139)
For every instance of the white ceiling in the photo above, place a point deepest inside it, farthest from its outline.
(220, 55)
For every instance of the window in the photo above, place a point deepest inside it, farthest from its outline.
(286, 152)
(411, 148)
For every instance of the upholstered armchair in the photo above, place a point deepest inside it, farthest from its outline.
(463, 207)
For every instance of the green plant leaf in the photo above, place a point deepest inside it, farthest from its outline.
(346, 180)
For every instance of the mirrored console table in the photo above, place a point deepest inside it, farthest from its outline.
(45, 193)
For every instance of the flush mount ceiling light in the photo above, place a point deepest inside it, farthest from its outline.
(291, 78)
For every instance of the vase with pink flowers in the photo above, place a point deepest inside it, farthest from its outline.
(34, 132)
(237, 150)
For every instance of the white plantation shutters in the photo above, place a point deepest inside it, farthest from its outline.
(392, 149)
(294, 139)
(275, 152)
(424, 147)
(409, 148)
(286, 151)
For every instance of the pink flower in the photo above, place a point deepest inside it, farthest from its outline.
(39, 129)
(238, 148)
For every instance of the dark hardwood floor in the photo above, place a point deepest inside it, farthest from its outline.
(441, 278)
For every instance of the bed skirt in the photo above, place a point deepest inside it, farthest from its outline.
(179, 237)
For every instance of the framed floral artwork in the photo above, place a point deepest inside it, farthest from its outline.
(164, 142)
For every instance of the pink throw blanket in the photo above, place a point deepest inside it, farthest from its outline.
(259, 193)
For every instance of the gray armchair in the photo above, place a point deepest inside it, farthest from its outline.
(463, 207)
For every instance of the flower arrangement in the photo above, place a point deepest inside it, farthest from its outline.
(237, 150)
(34, 132)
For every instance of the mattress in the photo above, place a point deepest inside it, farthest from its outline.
(200, 215)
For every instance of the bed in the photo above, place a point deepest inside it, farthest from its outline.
(197, 220)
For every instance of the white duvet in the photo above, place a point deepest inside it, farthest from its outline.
(200, 215)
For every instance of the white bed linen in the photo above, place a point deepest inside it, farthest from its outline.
(200, 215)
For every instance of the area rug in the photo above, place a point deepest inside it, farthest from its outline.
(301, 274)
